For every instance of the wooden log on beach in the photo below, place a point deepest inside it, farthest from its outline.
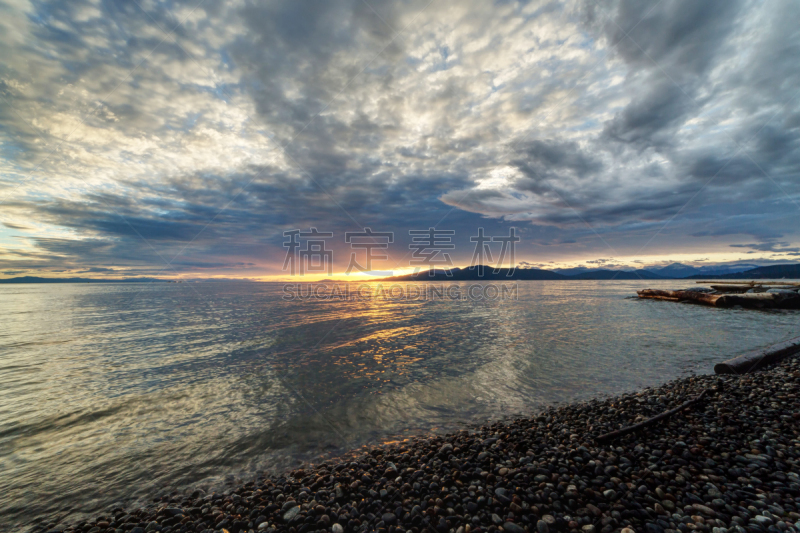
(630, 429)
(717, 300)
(657, 294)
(762, 300)
(648, 293)
(756, 359)
(702, 297)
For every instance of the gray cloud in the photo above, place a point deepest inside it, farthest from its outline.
(769, 246)
(95, 270)
(570, 119)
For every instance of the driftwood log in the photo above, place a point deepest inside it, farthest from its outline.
(630, 429)
(761, 300)
(673, 296)
(756, 359)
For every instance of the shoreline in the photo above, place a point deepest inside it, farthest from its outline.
(729, 463)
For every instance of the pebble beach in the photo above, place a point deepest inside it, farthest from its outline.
(728, 463)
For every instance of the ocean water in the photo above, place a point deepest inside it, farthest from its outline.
(116, 393)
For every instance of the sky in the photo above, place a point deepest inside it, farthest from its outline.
(189, 139)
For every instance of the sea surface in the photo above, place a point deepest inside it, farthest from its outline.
(112, 394)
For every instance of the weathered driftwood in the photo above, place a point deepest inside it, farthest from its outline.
(756, 359)
(657, 294)
(762, 300)
(630, 429)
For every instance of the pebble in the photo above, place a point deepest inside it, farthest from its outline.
(729, 464)
(288, 505)
(511, 527)
(289, 515)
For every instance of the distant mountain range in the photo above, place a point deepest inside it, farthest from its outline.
(473, 273)
(673, 271)
(767, 272)
(669, 272)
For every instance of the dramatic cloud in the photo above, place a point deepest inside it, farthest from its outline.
(141, 138)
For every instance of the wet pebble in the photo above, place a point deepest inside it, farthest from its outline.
(729, 464)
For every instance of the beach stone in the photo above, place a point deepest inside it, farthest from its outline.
(337, 528)
(703, 509)
(511, 527)
(762, 520)
(542, 527)
(288, 505)
(588, 528)
(289, 515)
